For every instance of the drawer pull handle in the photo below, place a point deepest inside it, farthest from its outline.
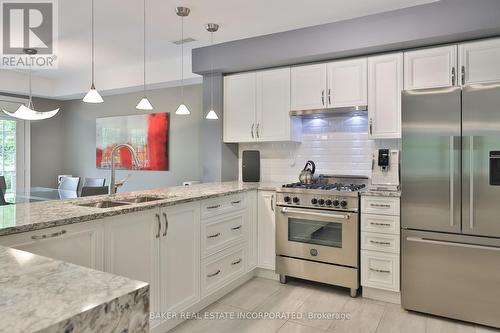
(237, 228)
(237, 262)
(55, 234)
(214, 206)
(380, 224)
(214, 235)
(380, 270)
(380, 205)
(235, 202)
(380, 243)
(214, 274)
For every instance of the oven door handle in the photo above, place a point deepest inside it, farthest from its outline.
(286, 210)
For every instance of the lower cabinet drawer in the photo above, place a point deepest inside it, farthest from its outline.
(221, 268)
(385, 224)
(380, 205)
(380, 242)
(380, 270)
(222, 232)
(222, 205)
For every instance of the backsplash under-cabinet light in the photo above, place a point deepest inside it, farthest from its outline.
(338, 145)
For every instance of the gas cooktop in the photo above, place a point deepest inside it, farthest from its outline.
(328, 187)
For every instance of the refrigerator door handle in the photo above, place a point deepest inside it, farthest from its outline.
(450, 243)
(452, 179)
(471, 183)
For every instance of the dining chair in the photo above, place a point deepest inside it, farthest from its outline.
(3, 189)
(88, 191)
(69, 184)
(93, 182)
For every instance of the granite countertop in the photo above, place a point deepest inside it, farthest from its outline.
(39, 294)
(380, 193)
(39, 215)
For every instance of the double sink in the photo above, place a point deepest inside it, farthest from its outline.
(117, 202)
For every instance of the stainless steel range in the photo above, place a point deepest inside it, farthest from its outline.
(317, 230)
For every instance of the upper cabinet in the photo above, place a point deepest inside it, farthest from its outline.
(431, 68)
(480, 61)
(257, 106)
(347, 83)
(333, 85)
(385, 83)
(309, 87)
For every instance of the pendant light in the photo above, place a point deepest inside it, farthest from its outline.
(144, 103)
(212, 27)
(182, 12)
(29, 113)
(93, 95)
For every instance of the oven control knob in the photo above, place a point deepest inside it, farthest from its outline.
(314, 201)
(335, 203)
(295, 200)
(328, 202)
(287, 199)
(321, 202)
(343, 203)
(313, 252)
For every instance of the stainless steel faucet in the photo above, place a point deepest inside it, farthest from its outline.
(113, 185)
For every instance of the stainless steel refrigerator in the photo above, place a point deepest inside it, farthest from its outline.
(450, 204)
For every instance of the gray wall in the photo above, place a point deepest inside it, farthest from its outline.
(444, 21)
(66, 143)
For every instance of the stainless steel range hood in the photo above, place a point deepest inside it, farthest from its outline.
(319, 113)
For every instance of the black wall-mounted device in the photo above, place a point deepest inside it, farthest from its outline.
(383, 158)
(250, 166)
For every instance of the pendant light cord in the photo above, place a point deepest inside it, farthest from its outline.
(92, 38)
(182, 59)
(144, 50)
(211, 71)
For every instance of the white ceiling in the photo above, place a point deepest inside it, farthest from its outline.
(118, 28)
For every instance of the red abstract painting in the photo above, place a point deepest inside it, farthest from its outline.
(148, 134)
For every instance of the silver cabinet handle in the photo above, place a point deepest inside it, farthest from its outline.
(251, 131)
(55, 234)
(329, 96)
(380, 243)
(463, 75)
(272, 203)
(380, 270)
(450, 243)
(471, 183)
(237, 262)
(323, 96)
(380, 224)
(257, 130)
(380, 205)
(235, 202)
(370, 126)
(452, 180)
(453, 76)
(159, 225)
(237, 228)
(214, 235)
(213, 207)
(214, 274)
(166, 224)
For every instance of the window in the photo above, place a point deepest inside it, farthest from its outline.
(8, 152)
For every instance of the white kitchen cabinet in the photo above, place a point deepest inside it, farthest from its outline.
(266, 229)
(132, 249)
(79, 243)
(479, 61)
(347, 83)
(180, 257)
(251, 230)
(257, 106)
(431, 68)
(273, 122)
(239, 107)
(385, 83)
(308, 87)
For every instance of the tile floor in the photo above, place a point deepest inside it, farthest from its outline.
(262, 295)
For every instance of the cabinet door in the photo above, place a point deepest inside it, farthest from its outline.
(79, 243)
(431, 68)
(273, 105)
(266, 229)
(347, 83)
(479, 61)
(132, 250)
(239, 108)
(308, 89)
(251, 230)
(180, 257)
(385, 83)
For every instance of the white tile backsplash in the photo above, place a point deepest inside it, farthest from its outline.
(338, 145)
